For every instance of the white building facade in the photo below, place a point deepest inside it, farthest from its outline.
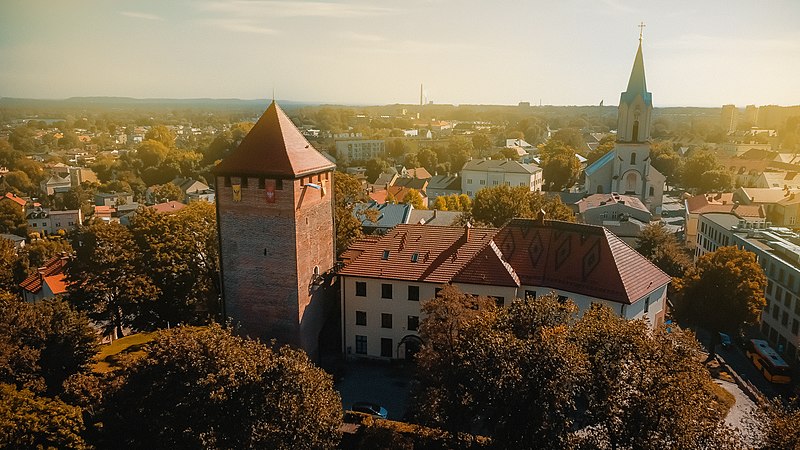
(482, 173)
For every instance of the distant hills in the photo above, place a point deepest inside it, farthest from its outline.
(129, 102)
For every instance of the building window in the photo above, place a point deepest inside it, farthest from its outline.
(530, 295)
(775, 312)
(244, 182)
(785, 319)
(361, 345)
(361, 318)
(386, 290)
(646, 305)
(279, 184)
(227, 181)
(413, 293)
(385, 255)
(261, 183)
(386, 320)
(652, 191)
(494, 182)
(795, 326)
(436, 291)
(633, 158)
(787, 299)
(415, 257)
(386, 347)
(361, 288)
(499, 301)
(469, 180)
(413, 323)
(483, 182)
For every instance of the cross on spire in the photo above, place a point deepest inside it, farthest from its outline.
(641, 29)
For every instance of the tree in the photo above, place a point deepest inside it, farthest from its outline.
(107, 278)
(167, 192)
(12, 219)
(481, 143)
(347, 192)
(440, 203)
(414, 198)
(717, 180)
(776, 425)
(512, 370)
(183, 261)
(43, 343)
(8, 260)
(206, 388)
(497, 205)
(37, 252)
(560, 166)
(570, 137)
(662, 248)
(428, 159)
(152, 153)
(31, 422)
(724, 291)
(666, 161)
(698, 165)
(646, 389)
(375, 167)
(162, 134)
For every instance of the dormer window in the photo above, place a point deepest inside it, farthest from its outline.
(415, 257)
(385, 255)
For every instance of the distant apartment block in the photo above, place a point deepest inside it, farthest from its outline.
(359, 149)
(481, 173)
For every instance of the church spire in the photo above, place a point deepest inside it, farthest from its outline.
(635, 104)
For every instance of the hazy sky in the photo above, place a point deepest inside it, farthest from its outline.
(562, 52)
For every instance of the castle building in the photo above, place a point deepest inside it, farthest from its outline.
(626, 169)
(276, 236)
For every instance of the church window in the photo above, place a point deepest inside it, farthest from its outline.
(633, 158)
(630, 183)
(635, 134)
(652, 191)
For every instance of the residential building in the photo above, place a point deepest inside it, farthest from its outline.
(481, 173)
(716, 203)
(381, 217)
(359, 149)
(729, 119)
(113, 198)
(384, 281)
(56, 184)
(778, 253)
(781, 206)
(779, 180)
(18, 241)
(47, 221)
(19, 202)
(624, 215)
(433, 217)
(626, 169)
(48, 281)
(443, 185)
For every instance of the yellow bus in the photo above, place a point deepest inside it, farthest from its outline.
(768, 361)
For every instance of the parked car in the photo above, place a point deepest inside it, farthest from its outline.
(371, 409)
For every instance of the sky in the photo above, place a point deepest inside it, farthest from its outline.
(557, 52)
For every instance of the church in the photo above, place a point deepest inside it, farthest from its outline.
(626, 169)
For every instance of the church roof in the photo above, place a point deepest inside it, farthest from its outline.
(599, 163)
(274, 147)
(637, 84)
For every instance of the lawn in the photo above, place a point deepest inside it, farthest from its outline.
(110, 355)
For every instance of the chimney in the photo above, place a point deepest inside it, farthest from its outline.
(540, 217)
(467, 229)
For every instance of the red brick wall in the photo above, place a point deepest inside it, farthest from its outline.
(269, 251)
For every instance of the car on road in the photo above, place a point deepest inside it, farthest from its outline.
(372, 409)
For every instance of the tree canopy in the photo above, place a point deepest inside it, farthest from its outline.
(534, 375)
(560, 166)
(662, 248)
(724, 291)
(498, 204)
(206, 388)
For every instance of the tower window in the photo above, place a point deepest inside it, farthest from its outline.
(652, 191)
(227, 181)
(261, 183)
(279, 184)
(633, 158)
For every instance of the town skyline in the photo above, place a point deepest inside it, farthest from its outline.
(365, 54)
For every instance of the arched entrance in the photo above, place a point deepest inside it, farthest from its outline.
(409, 346)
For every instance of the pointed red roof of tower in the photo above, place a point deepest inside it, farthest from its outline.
(274, 147)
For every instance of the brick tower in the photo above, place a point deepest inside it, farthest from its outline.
(275, 224)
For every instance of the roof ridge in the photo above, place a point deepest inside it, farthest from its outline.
(609, 236)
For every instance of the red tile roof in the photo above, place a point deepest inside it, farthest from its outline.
(13, 197)
(274, 147)
(51, 273)
(579, 258)
(441, 252)
(168, 207)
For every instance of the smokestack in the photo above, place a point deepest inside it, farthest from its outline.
(420, 94)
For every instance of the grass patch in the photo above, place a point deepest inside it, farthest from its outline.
(130, 346)
(724, 400)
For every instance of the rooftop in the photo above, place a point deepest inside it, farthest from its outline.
(500, 165)
(274, 147)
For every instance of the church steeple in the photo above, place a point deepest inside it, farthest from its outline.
(635, 104)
